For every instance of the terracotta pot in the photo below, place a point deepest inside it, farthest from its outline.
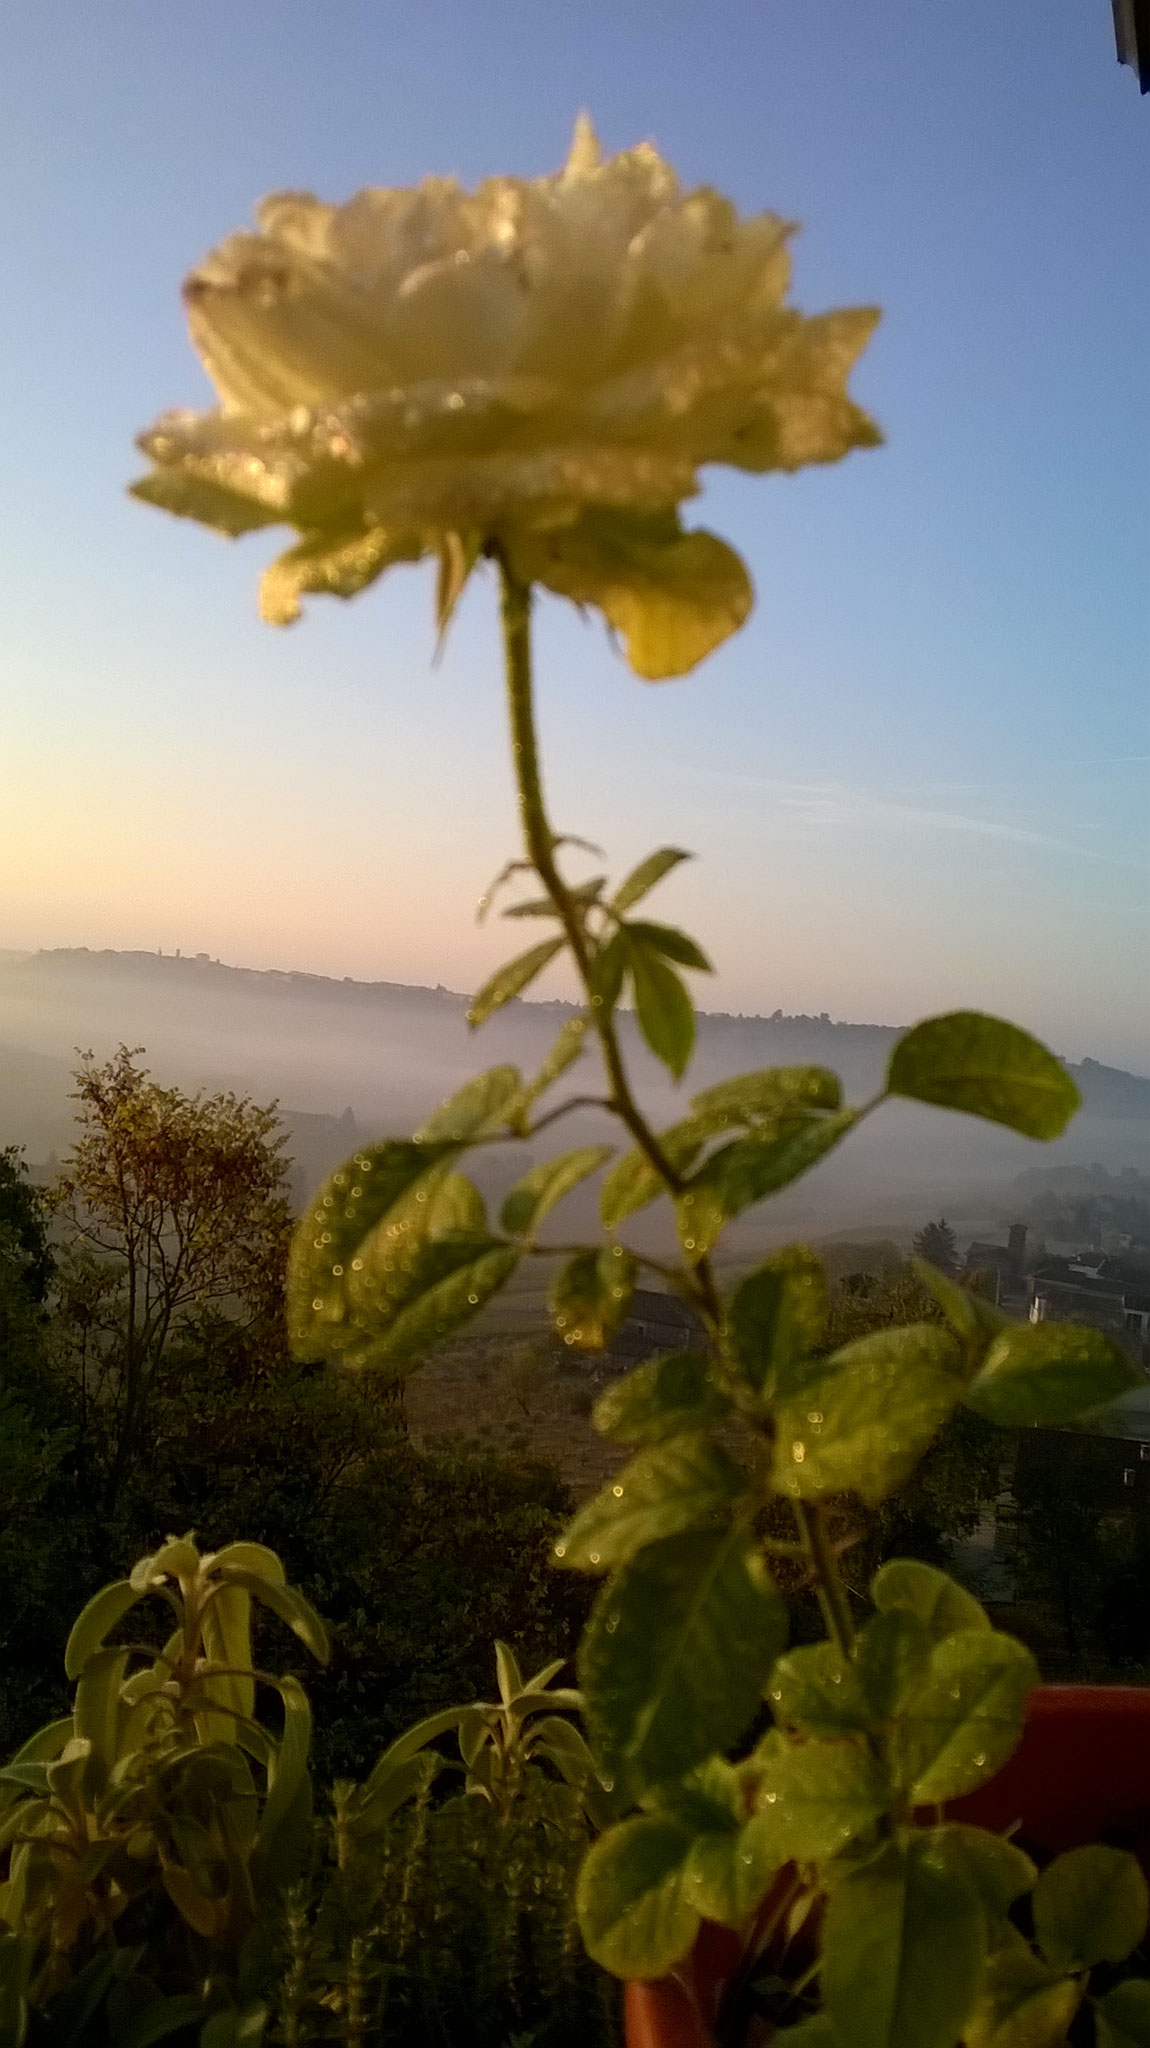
(1080, 1774)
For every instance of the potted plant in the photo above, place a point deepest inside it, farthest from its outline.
(529, 379)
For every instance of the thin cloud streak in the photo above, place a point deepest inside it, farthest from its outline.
(836, 806)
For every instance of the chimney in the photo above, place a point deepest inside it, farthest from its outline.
(1016, 1244)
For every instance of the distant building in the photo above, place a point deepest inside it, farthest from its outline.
(1110, 1294)
(656, 1322)
(1003, 1261)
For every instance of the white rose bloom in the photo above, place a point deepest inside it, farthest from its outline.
(540, 367)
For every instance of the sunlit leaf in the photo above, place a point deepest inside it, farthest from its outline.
(633, 1181)
(1022, 2002)
(291, 1607)
(965, 1718)
(661, 1397)
(905, 1586)
(671, 1486)
(591, 1295)
(1049, 1373)
(675, 1656)
(860, 1420)
(475, 1110)
(814, 1688)
(770, 1092)
(987, 1068)
(663, 1007)
(777, 1315)
(996, 1870)
(901, 1953)
(634, 1915)
(816, 1796)
(643, 878)
(95, 1620)
(348, 1220)
(510, 981)
(670, 943)
(751, 1168)
(534, 1197)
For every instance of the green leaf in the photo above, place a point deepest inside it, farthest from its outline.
(643, 878)
(380, 1198)
(94, 1621)
(676, 1654)
(1090, 1906)
(814, 1797)
(475, 1273)
(608, 968)
(890, 1657)
(1048, 1373)
(904, 1586)
(777, 1316)
(963, 1311)
(669, 1487)
(249, 1557)
(633, 1181)
(964, 1720)
(749, 1169)
(673, 596)
(664, 1009)
(861, 1420)
(730, 1863)
(510, 981)
(769, 1093)
(291, 1607)
(672, 944)
(545, 906)
(590, 1296)
(1022, 2003)
(660, 1398)
(534, 1197)
(634, 1915)
(994, 1869)
(568, 1047)
(815, 1688)
(1122, 2018)
(902, 1953)
(978, 1064)
(475, 1111)
(96, 1713)
(277, 1837)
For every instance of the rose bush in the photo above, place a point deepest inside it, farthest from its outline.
(536, 374)
(542, 364)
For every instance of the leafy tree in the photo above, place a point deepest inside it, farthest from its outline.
(173, 1204)
(935, 1242)
(24, 1246)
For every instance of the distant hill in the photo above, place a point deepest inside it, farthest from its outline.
(352, 1059)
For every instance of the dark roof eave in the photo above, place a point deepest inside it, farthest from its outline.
(1132, 37)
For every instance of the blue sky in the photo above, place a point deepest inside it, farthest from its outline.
(917, 779)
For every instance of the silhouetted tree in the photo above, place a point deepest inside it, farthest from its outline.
(935, 1242)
